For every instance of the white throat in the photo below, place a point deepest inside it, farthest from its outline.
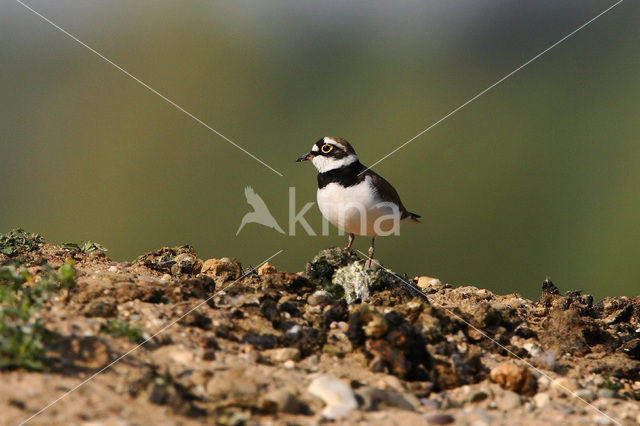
(324, 164)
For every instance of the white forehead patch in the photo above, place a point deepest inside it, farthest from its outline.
(314, 148)
(330, 141)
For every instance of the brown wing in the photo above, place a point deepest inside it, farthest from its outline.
(388, 193)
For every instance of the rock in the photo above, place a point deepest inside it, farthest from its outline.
(439, 419)
(323, 266)
(86, 352)
(104, 307)
(546, 360)
(541, 399)
(478, 396)
(428, 283)
(262, 341)
(514, 377)
(223, 269)
(337, 344)
(336, 394)
(195, 319)
(585, 394)
(186, 263)
(373, 398)
(632, 349)
(267, 269)
(549, 288)
(355, 281)
(563, 332)
(533, 349)
(182, 356)
(319, 298)
(602, 420)
(607, 393)
(166, 278)
(622, 315)
(564, 386)
(233, 383)
(282, 401)
(377, 326)
(508, 401)
(281, 355)
(165, 258)
(524, 330)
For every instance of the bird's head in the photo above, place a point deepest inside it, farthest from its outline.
(330, 153)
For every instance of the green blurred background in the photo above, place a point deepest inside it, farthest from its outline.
(538, 177)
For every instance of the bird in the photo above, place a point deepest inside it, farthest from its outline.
(353, 197)
(260, 213)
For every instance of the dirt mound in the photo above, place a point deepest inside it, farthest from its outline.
(337, 342)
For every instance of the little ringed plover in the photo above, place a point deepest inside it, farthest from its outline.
(353, 198)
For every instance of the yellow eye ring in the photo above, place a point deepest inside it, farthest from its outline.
(326, 148)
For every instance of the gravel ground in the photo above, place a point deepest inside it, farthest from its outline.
(335, 343)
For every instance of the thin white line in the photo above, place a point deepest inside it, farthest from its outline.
(494, 84)
(149, 87)
(450, 312)
(143, 343)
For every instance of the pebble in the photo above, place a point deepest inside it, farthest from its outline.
(541, 399)
(564, 386)
(607, 393)
(602, 420)
(430, 403)
(534, 349)
(319, 298)
(509, 401)
(543, 383)
(373, 397)
(267, 269)
(165, 278)
(182, 356)
(391, 382)
(100, 308)
(478, 396)
(337, 395)
(439, 419)
(515, 378)
(586, 394)
(113, 269)
(290, 364)
(425, 283)
(282, 401)
(281, 355)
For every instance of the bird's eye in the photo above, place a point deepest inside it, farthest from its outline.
(326, 148)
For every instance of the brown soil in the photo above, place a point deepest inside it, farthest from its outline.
(248, 354)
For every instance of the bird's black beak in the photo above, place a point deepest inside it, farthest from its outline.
(305, 157)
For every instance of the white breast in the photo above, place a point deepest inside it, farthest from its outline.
(357, 208)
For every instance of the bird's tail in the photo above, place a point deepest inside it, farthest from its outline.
(411, 217)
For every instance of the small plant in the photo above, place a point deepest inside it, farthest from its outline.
(22, 333)
(613, 383)
(86, 247)
(18, 241)
(122, 329)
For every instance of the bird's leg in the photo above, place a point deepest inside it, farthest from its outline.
(371, 252)
(351, 238)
